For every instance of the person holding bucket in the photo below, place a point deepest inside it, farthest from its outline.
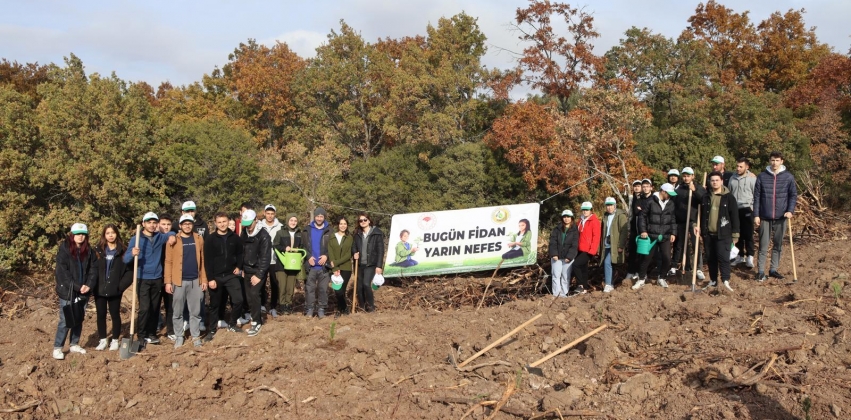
(288, 239)
(76, 274)
(368, 251)
(658, 226)
(340, 256)
(564, 245)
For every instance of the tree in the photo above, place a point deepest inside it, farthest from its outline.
(557, 65)
(787, 51)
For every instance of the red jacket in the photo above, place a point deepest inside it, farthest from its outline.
(589, 234)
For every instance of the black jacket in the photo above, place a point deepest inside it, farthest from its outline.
(282, 239)
(117, 280)
(564, 245)
(374, 248)
(72, 273)
(257, 252)
(658, 221)
(728, 216)
(681, 202)
(639, 203)
(222, 253)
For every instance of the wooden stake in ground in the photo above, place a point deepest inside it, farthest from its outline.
(792, 248)
(499, 341)
(688, 220)
(355, 293)
(489, 284)
(533, 368)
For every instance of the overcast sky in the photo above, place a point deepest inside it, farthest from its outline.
(179, 41)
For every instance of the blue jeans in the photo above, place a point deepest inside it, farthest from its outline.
(561, 277)
(607, 265)
(62, 330)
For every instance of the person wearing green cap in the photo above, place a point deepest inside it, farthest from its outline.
(76, 274)
(674, 177)
(564, 245)
(615, 233)
(720, 165)
(658, 224)
(682, 212)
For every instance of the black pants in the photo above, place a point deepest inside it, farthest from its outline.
(663, 247)
(366, 301)
(745, 245)
(254, 293)
(718, 253)
(149, 300)
(227, 285)
(167, 299)
(513, 253)
(679, 246)
(273, 286)
(341, 294)
(113, 305)
(580, 269)
(633, 260)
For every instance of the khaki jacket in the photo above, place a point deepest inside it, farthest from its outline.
(173, 267)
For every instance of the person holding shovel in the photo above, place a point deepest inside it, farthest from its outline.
(657, 223)
(564, 245)
(223, 264)
(186, 279)
(683, 210)
(720, 216)
(612, 240)
(76, 275)
(775, 196)
(285, 239)
(368, 252)
(340, 260)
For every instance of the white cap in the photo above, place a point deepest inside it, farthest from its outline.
(78, 228)
(186, 217)
(673, 172)
(568, 213)
(688, 170)
(717, 159)
(270, 207)
(248, 217)
(150, 215)
(188, 205)
(610, 200)
(668, 188)
(586, 206)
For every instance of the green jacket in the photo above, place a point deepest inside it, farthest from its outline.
(619, 235)
(402, 252)
(525, 242)
(340, 253)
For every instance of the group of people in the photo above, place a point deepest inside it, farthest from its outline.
(183, 267)
(657, 226)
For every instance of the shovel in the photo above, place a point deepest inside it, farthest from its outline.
(792, 248)
(535, 370)
(129, 346)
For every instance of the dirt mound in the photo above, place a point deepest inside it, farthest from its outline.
(767, 350)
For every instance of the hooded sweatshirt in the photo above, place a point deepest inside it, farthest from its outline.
(742, 186)
(721, 214)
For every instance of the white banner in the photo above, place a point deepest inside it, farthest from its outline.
(457, 241)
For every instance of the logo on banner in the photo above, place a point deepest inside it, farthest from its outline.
(426, 221)
(500, 215)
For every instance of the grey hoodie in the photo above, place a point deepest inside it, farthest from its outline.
(742, 189)
(272, 231)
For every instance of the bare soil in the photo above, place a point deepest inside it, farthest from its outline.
(765, 351)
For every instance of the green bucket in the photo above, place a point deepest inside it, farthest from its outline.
(644, 245)
(336, 286)
(374, 287)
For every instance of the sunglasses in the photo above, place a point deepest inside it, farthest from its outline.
(363, 220)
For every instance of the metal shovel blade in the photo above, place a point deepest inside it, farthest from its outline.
(534, 370)
(128, 348)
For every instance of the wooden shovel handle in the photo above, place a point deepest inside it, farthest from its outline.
(135, 275)
(569, 346)
(499, 341)
(355, 291)
(792, 248)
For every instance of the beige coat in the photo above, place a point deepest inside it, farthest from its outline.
(173, 267)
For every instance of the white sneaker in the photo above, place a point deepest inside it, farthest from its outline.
(77, 349)
(101, 345)
(201, 327)
(222, 324)
(113, 345)
(672, 271)
(608, 289)
(736, 261)
(727, 285)
(662, 282)
(242, 321)
(749, 262)
(638, 284)
(57, 353)
(700, 275)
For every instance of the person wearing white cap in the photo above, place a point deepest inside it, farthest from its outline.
(658, 224)
(564, 245)
(615, 233)
(256, 258)
(150, 249)
(199, 225)
(186, 279)
(674, 177)
(272, 226)
(589, 244)
(632, 258)
(719, 165)
(76, 274)
(682, 212)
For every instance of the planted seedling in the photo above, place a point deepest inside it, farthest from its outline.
(332, 332)
(837, 291)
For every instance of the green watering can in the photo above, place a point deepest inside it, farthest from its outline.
(644, 245)
(291, 259)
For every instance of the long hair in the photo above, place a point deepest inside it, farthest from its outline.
(526, 222)
(366, 216)
(119, 244)
(80, 252)
(340, 219)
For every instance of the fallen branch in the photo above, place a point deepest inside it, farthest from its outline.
(24, 407)
(509, 391)
(270, 389)
(569, 413)
(472, 368)
(801, 300)
(752, 380)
